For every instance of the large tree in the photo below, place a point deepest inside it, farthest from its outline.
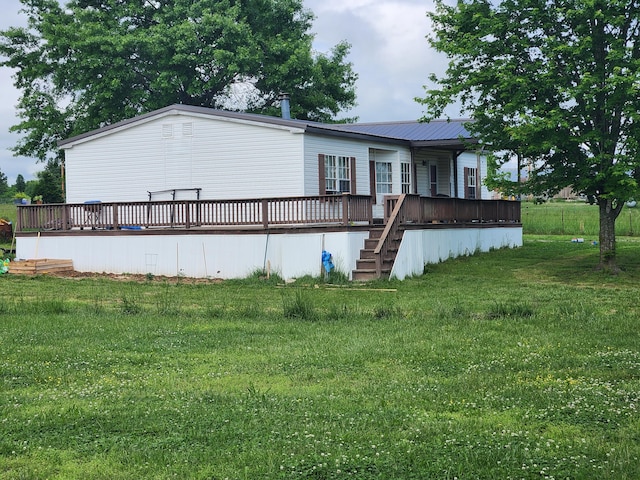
(94, 62)
(554, 83)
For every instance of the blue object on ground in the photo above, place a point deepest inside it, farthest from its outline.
(326, 261)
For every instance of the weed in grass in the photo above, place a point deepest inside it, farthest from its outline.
(130, 305)
(46, 306)
(250, 311)
(339, 312)
(455, 310)
(510, 309)
(215, 311)
(336, 277)
(382, 312)
(263, 276)
(299, 306)
(168, 300)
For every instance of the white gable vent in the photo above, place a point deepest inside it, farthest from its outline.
(187, 129)
(167, 130)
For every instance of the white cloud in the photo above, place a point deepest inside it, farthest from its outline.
(389, 51)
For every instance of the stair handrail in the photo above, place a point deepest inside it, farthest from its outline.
(389, 232)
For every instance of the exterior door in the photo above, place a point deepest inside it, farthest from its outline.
(433, 179)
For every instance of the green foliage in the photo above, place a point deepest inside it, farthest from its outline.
(4, 186)
(20, 184)
(89, 63)
(511, 364)
(48, 187)
(554, 84)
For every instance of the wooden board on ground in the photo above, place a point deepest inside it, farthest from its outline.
(40, 265)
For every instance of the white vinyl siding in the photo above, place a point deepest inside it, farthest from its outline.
(425, 162)
(315, 145)
(226, 159)
(470, 160)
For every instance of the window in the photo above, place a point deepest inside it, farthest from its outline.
(470, 182)
(337, 171)
(383, 178)
(433, 179)
(405, 177)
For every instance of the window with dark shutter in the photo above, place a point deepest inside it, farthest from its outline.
(336, 174)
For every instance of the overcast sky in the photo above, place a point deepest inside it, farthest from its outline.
(389, 52)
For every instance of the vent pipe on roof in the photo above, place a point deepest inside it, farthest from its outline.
(285, 106)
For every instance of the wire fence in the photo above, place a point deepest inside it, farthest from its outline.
(575, 219)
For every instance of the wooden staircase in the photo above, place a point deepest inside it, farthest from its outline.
(366, 264)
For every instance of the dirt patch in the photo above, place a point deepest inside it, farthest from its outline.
(129, 277)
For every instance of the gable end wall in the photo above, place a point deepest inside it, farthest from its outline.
(227, 160)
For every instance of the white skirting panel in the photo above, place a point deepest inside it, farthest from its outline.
(291, 255)
(199, 256)
(422, 247)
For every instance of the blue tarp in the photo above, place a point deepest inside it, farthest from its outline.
(326, 261)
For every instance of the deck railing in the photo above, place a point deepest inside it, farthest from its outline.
(264, 213)
(402, 210)
(453, 210)
(328, 209)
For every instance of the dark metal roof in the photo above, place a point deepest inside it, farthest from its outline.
(415, 132)
(443, 133)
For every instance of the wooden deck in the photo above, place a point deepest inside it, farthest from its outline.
(265, 213)
(228, 238)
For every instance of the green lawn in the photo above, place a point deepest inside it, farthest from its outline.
(513, 364)
(578, 219)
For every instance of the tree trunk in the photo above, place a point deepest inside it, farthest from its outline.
(608, 215)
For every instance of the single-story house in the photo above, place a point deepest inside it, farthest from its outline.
(230, 155)
(195, 155)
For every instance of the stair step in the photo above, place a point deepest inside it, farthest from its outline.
(366, 253)
(366, 264)
(375, 233)
(370, 263)
(367, 274)
(370, 243)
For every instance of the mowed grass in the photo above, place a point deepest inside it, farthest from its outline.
(576, 218)
(512, 364)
